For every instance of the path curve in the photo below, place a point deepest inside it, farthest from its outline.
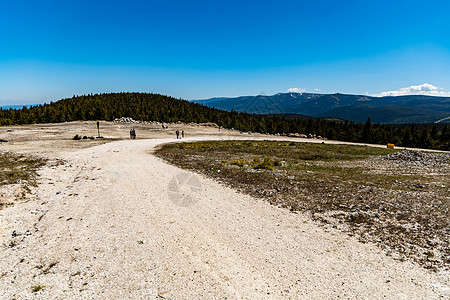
(104, 225)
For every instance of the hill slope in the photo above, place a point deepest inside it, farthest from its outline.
(356, 108)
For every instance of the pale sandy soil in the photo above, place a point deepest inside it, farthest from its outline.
(115, 222)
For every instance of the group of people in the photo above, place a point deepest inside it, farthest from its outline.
(132, 134)
(178, 134)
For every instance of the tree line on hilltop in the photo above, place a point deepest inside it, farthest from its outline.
(155, 107)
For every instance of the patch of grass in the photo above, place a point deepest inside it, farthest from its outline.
(301, 151)
(36, 288)
(239, 163)
(16, 168)
(265, 164)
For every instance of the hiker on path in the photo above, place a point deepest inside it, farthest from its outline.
(182, 134)
(178, 133)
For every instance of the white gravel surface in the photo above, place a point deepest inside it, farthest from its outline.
(107, 225)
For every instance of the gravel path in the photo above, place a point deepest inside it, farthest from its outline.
(116, 222)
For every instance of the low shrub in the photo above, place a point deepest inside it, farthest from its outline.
(239, 163)
(265, 164)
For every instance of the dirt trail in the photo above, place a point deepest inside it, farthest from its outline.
(116, 222)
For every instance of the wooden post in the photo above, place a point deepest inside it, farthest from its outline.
(98, 128)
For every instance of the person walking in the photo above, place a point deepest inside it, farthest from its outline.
(177, 133)
(182, 134)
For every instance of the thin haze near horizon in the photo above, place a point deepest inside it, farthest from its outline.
(200, 49)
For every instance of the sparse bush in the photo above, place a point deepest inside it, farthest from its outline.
(277, 163)
(18, 168)
(266, 164)
(239, 163)
(36, 288)
(254, 161)
(76, 137)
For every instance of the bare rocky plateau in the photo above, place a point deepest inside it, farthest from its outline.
(102, 222)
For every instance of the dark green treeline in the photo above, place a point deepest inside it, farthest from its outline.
(155, 107)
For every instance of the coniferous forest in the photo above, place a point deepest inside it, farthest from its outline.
(155, 107)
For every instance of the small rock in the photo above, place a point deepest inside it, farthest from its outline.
(15, 233)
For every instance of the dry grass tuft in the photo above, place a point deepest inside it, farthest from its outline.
(17, 169)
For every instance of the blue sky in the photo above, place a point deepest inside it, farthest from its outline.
(199, 49)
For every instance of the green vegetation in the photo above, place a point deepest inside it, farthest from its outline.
(17, 168)
(36, 288)
(293, 150)
(239, 163)
(264, 164)
(342, 185)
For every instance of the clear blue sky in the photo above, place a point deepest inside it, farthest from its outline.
(200, 49)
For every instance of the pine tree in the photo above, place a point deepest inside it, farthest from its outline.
(367, 132)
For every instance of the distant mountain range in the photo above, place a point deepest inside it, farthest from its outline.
(17, 106)
(357, 108)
